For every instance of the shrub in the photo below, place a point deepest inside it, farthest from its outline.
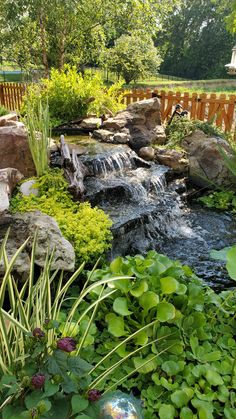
(181, 127)
(3, 111)
(71, 95)
(88, 229)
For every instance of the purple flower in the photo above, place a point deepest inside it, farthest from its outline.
(38, 333)
(38, 380)
(66, 344)
(94, 395)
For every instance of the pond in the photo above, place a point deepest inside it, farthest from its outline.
(148, 211)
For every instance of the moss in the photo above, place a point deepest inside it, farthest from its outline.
(88, 229)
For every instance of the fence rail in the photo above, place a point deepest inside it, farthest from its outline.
(206, 107)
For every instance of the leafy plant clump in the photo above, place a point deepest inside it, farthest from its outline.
(183, 365)
(41, 371)
(3, 110)
(88, 229)
(181, 127)
(221, 200)
(71, 95)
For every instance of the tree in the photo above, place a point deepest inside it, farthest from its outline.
(132, 57)
(196, 41)
(53, 32)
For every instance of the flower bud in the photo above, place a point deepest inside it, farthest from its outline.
(66, 344)
(38, 333)
(38, 380)
(94, 395)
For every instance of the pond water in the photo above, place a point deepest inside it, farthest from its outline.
(148, 213)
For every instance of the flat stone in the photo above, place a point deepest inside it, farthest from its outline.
(27, 188)
(103, 135)
(120, 138)
(174, 159)
(91, 123)
(8, 119)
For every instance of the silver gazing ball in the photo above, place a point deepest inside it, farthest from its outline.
(118, 405)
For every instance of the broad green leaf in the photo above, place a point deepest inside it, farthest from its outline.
(116, 265)
(120, 306)
(44, 406)
(122, 285)
(167, 411)
(115, 325)
(142, 338)
(149, 300)
(172, 367)
(50, 388)
(213, 378)
(139, 288)
(78, 403)
(231, 263)
(205, 409)
(11, 412)
(165, 311)
(186, 413)
(211, 356)
(149, 367)
(169, 285)
(181, 398)
(181, 289)
(229, 413)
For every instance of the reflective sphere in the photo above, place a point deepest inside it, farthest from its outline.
(118, 405)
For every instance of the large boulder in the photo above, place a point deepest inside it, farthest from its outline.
(14, 148)
(206, 163)
(49, 237)
(9, 178)
(139, 122)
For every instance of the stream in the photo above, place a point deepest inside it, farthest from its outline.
(148, 211)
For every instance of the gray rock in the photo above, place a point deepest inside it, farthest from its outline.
(49, 237)
(8, 119)
(9, 178)
(27, 188)
(103, 135)
(139, 121)
(120, 138)
(206, 164)
(174, 159)
(160, 135)
(147, 153)
(90, 124)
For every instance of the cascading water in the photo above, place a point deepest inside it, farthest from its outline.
(148, 213)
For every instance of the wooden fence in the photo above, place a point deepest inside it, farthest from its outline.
(207, 107)
(11, 95)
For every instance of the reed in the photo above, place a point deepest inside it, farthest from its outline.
(39, 131)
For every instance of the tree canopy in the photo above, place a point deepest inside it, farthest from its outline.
(197, 43)
(51, 32)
